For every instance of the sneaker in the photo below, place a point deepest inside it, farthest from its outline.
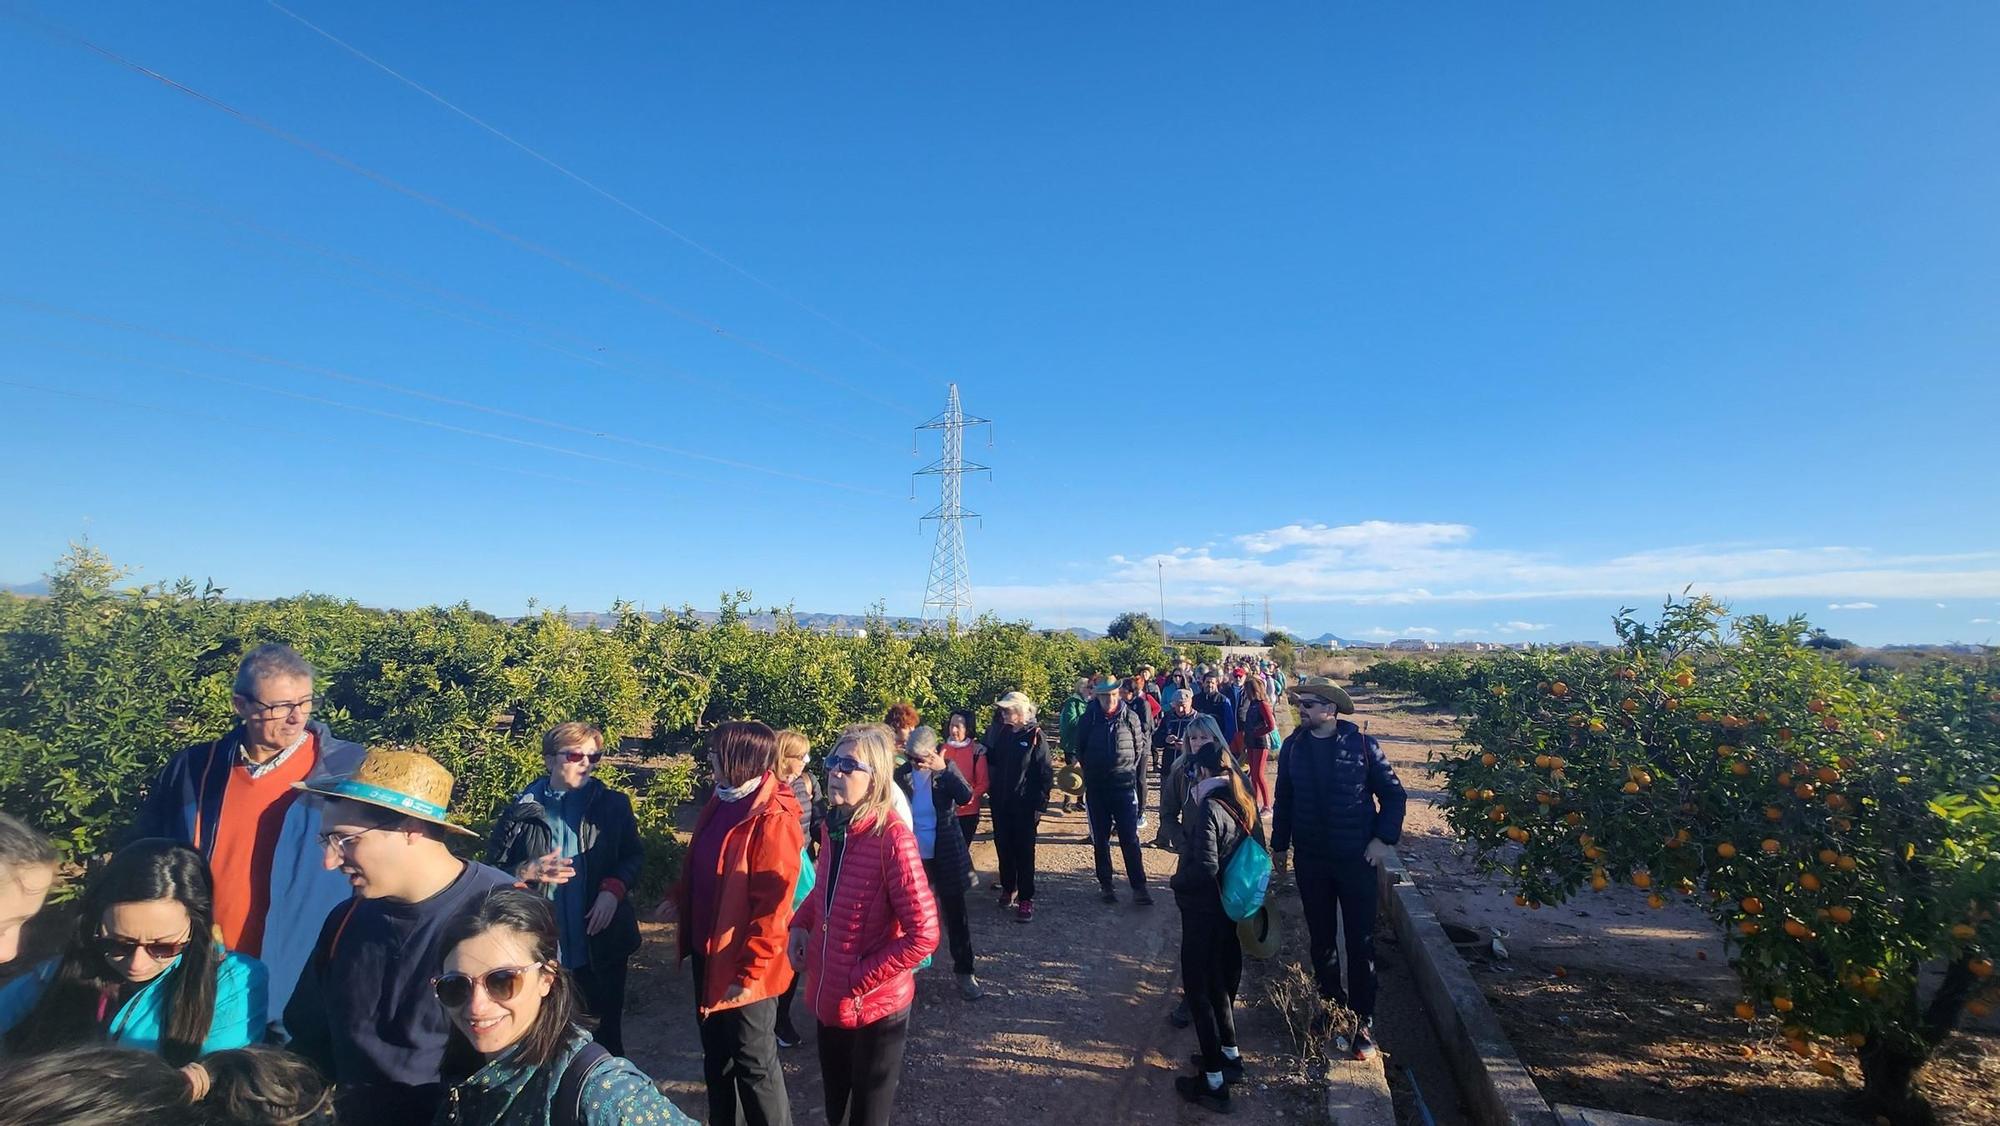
(1232, 1069)
(1363, 1043)
(788, 1037)
(1180, 1017)
(1109, 896)
(1142, 897)
(968, 987)
(1142, 825)
(994, 886)
(1195, 1089)
(1025, 913)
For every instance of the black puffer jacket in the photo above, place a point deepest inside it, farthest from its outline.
(1210, 833)
(1018, 771)
(1334, 796)
(949, 790)
(611, 860)
(1112, 746)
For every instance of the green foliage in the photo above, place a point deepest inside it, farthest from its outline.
(1131, 622)
(1842, 827)
(100, 685)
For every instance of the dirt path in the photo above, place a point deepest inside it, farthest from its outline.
(1073, 1028)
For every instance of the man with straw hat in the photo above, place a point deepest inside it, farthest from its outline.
(364, 1010)
(1340, 802)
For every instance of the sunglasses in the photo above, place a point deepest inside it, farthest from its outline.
(592, 757)
(846, 764)
(125, 949)
(454, 991)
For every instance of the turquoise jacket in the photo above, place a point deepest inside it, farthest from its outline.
(241, 985)
(506, 1093)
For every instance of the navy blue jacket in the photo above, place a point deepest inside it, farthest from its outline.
(1334, 796)
(184, 804)
(1217, 704)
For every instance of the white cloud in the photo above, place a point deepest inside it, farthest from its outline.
(1940, 605)
(1850, 606)
(1520, 627)
(1985, 621)
(1419, 631)
(1386, 563)
(1467, 632)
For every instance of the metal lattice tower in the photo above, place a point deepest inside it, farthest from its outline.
(948, 595)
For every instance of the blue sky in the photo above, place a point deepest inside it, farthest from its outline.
(1456, 320)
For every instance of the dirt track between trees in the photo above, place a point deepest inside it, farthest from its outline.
(1073, 1028)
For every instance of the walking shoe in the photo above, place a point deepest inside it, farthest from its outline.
(1006, 900)
(1142, 897)
(788, 1037)
(1142, 825)
(1025, 913)
(994, 886)
(1364, 1041)
(1232, 1069)
(1180, 1017)
(1108, 896)
(968, 987)
(1195, 1089)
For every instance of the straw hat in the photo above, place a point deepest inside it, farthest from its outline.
(410, 783)
(1070, 781)
(1321, 688)
(1259, 933)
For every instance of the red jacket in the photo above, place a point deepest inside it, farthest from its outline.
(866, 936)
(756, 872)
(970, 758)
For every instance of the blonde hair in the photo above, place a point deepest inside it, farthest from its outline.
(793, 747)
(875, 745)
(1020, 704)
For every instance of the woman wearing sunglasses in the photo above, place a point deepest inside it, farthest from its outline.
(574, 839)
(868, 923)
(504, 985)
(140, 969)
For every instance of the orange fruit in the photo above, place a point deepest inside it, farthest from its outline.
(1980, 967)
(1630, 787)
(1673, 705)
(1599, 883)
(1816, 707)
(1746, 1010)
(1471, 793)
(1748, 926)
(1855, 1039)
(1558, 689)
(1752, 905)
(1826, 1067)
(1827, 775)
(1979, 1009)
(1797, 929)
(1739, 768)
(1642, 879)
(1684, 679)
(1847, 864)
(1784, 778)
(1963, 931)
(1656, 901)
(1725, 850)
(1803, 791)
(1809, 882)
(1520, 901)
(1773, 813)
(1771, 846)
(1487, 759)
(1840, 914)
(1628, 705)
(1828, 856)
(1596, 726)
(1782, 1003)
(1561, 973)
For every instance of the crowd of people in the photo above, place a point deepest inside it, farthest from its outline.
(296, 933)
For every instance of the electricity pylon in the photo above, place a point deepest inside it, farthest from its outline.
(948, 595)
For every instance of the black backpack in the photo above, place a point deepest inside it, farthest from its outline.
(567, 1107)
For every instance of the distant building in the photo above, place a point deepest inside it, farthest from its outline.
(1412, 645)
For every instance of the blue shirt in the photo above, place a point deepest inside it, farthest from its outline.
(139, 1024)
(923, 813)
(572, 899)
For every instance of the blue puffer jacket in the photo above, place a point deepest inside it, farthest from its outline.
(1334, 796)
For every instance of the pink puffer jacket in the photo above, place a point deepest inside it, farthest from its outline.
(868, 927)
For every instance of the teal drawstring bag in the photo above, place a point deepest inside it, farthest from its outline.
(1245, 879)
(808, 878)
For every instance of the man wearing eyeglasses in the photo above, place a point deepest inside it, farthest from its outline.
(231, 800)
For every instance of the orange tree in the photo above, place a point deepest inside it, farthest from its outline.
(1845, 832)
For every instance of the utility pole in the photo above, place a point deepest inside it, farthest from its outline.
(1163, 596)
(948, 594)
(1267, 613)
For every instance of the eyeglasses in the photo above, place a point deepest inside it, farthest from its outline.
(591, 757)
(846, 764)
(285, 708)
(339, 842)
(454, 991)
(121, 949)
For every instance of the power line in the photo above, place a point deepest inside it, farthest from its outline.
(455, 212)
(586, 183)
(397, 276)
(412, 392)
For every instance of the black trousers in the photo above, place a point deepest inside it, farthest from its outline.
(968, 824)
(603, 989)
(1344, 892)
(739, 1063)
(1211, 973)
(957, 927)
(1014, 836)
(1116, 809)
(860, 1068)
